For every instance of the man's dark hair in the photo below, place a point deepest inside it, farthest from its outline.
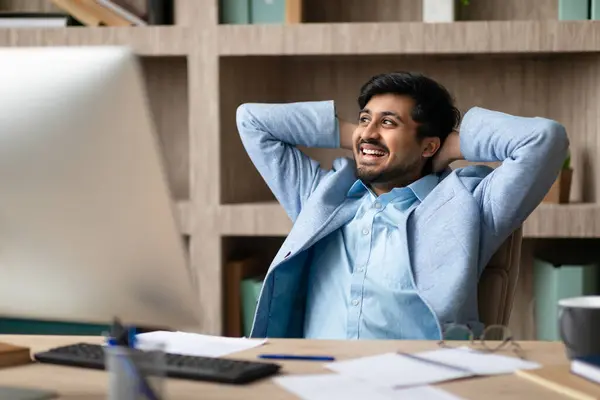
(434, 108)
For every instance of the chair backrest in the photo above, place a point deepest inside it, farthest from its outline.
(498, 283)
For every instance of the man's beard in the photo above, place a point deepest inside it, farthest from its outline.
(399, 173)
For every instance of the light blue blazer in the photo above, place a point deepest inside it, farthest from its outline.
(450, 236)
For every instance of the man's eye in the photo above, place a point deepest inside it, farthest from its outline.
(388, 122)
(363, 119)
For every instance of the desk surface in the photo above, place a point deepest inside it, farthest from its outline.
(76, 383)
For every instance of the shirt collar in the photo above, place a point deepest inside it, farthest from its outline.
(421, 188)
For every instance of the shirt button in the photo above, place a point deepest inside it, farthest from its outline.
(365, 231)
(355, 302)
(360, 269)
(377, 205)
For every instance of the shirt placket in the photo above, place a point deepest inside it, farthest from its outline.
(357, 287)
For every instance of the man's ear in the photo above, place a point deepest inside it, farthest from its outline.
(431, 145)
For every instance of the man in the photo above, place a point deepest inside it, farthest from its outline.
(391, 245)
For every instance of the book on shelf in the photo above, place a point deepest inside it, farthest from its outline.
(160, 12)
(122, 12)
(571, 10)
(13, 355)
(100, 13)
(595, 10)
(261, 11)
(250, 291)
(238, 296)
(33, 20)
(234, 11)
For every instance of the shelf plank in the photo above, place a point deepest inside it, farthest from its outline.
(184, 216)
(255, 219)
(563, 221)
(547, 221)
(150, 41)
(410, 38)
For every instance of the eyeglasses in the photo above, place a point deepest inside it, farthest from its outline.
(494, 338)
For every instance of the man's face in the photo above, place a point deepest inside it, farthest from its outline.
(386, 147)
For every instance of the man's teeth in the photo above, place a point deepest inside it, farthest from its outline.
(373, 152)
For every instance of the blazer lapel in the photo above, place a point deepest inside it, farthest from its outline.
(325, 211)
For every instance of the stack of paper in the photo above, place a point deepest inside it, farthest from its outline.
(395, 370)
(334, 386)
(194, 344)
(399, 376)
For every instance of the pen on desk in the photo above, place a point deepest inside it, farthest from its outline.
(296, 357)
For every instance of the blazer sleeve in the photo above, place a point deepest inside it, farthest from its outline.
(270, 134)
(532, 151)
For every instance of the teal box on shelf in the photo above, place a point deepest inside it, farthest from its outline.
(234, 11)
(573, 9)
(267, 11)
(551, 284)
(595, 10)
(250, 291)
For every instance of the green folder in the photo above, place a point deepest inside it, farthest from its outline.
(250, 291)
(595, 10)
(267, 11)
(552, 284)
(234, 11)
(573, 9)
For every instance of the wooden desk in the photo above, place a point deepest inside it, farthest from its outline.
(76, 383)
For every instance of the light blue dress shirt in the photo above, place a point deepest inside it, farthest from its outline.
(357, 288)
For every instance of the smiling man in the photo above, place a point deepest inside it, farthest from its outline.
(391, 244)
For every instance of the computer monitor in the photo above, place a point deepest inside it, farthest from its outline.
(88, 228)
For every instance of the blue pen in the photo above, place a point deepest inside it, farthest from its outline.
(295, 357)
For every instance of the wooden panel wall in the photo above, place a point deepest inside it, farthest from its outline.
(411, 10)
(28, 5)
(167, 86)
(574, 99)
(362, 11)
(244, 80)
(522, 85)
(505, 10)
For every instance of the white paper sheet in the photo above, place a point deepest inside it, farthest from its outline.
(194, 344)
(334, 386)
(478, 362)
(394, 370)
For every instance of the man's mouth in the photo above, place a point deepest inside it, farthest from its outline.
(371, 152)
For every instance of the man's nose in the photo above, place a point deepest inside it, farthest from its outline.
(371, 131)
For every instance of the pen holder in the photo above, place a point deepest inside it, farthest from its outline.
(135, 374)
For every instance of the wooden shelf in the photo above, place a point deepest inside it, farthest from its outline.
(150, 41)
(547, 221)
(564, 221)
(410, 38)
(254, 219)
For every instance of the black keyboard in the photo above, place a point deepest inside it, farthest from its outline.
(210, 369)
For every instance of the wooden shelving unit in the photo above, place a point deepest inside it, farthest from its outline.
(462, 37)
(509, 55)
(548, 221)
